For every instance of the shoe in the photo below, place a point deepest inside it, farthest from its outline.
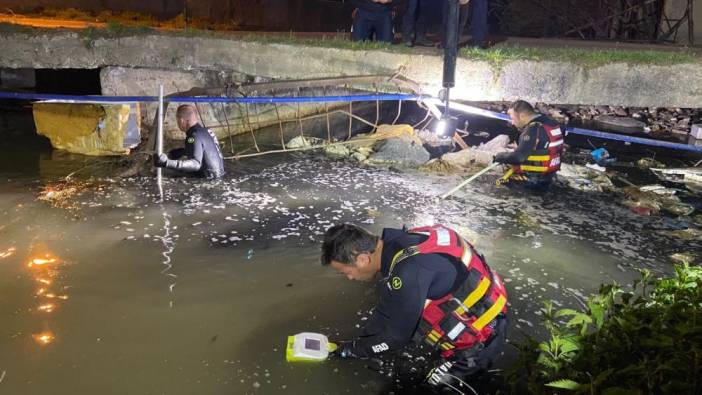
(409, 44)
(424, 42)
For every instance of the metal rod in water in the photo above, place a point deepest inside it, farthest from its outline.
(159, 139)
(466, 182)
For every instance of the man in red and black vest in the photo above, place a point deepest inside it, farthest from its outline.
(436, 288)
(537, 158)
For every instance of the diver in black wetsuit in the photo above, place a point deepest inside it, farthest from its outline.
(201, 155)
(436, 289)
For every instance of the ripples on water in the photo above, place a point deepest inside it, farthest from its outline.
(197, 294)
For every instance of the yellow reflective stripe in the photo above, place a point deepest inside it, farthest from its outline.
(433, 336)
(537, 169)
(475, 296)
(508, 174)
(446, 346)
(490, 315)
(397, 255)
(539, 158)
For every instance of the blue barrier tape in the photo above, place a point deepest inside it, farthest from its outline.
(180, 99)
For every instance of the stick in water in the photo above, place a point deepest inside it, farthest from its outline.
(159, 140)
(468, 181)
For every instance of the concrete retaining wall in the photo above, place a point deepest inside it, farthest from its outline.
(550, 82)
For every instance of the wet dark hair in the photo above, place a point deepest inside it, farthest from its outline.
(343, 243)
(185, 111)
(522, 107)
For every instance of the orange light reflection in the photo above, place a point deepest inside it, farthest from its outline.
(47, 308)
(44, 338)
(41, 261)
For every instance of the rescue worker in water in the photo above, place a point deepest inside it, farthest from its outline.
(436, 288)
(201, 155)
(537, 158)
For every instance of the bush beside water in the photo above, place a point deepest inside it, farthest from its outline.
(647, 340)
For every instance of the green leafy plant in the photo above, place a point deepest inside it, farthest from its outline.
(647, 340)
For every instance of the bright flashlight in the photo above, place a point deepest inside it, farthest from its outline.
(446, 126)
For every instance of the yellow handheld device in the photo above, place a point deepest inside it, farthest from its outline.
(308, 347)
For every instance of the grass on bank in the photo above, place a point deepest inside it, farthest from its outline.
(497, 56)
(585, 57)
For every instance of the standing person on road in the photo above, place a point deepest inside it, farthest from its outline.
(414, 24)
(373, 17)
(478, 12)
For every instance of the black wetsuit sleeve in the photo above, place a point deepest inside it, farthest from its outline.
(527, 144)
(395, 318)
(193, 156)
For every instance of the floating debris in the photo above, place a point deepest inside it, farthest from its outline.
(7, 253)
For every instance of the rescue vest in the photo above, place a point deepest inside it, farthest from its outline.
(544, 160)
(464, 318)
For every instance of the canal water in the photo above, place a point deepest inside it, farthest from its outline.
(104, 289)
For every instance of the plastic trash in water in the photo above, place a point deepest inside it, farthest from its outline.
(249, 253)
(601, 157)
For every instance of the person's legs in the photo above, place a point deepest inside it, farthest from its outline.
(383, 27)
(478, 21)
(459, 371)
(362, 26)
(409, 21)
(464, 13)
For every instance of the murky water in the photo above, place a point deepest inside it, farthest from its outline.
(106, 290)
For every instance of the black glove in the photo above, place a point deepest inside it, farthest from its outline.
(160, 160)
(344, 350)
(498, 158)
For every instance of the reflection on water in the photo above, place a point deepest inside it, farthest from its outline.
(44, 268)
(198, 294)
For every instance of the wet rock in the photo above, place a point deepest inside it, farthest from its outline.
(684, 234)
(584, 179)
(647, 163)
(678, 209)
(620, 112)
(558, 115)
(400, 150)
(481, 155)
(440, 166)
(468, 158)
(303, 142)
(683, 258)
(619, 124)
(656, 199)
(338, 150)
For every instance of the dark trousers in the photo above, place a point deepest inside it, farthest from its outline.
(478, 12)
(366, 23)
(464, 368)
(415, 20)
(537, 184)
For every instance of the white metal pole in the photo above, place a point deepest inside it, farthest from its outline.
(466, 182)
(159, 138)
